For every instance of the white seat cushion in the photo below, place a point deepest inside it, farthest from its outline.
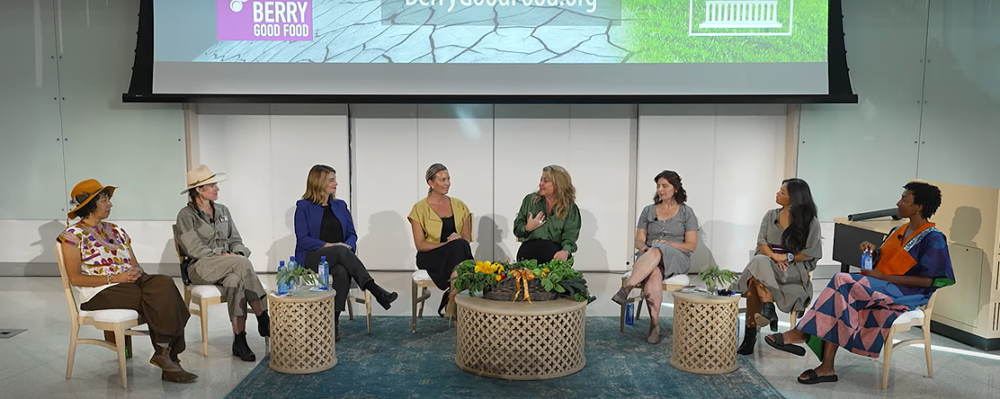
(421, 275)
(677, 279)
(111, 315)
(915, 316)
(205, 291)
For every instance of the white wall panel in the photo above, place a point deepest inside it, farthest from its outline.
(388, 181)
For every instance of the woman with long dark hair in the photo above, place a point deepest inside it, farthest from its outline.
(788, 247)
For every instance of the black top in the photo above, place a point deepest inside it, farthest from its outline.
(330, 229)
(447, 227)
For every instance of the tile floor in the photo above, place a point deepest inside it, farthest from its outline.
(33, 364)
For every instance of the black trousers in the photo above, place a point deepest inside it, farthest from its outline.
(440, 262)
(344, 265)
(540, 250)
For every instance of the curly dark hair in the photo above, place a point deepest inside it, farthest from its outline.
(680, 195)
(925, 195)
(87, 209)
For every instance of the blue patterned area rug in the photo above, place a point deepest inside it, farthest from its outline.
(392, 362)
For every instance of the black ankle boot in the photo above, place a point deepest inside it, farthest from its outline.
(444, 302)
(241, 349)
(384, 298)
(336, 326)
(768, 315)
(264, 324)
(749, 341)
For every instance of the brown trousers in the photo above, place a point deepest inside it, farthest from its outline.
(157, 300)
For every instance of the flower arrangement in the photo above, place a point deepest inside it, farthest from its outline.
(558, 277)
(299, 277)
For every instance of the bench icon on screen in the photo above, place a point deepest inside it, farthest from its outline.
(741, 18)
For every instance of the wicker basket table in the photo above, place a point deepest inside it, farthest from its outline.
(520, 340)
(302, 332)
(704, 333)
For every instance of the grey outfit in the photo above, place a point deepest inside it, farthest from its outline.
(673, 261)
(205, 240)
(792, 288)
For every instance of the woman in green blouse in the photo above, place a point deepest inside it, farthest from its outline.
(549, 221)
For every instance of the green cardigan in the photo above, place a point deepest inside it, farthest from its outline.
(565, 232)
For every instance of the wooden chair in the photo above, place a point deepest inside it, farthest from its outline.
(421, 282)
(122, 322)
(357, 295)
(914, 318)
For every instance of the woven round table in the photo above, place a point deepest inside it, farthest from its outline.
(520, 340)
(704, 333)
(302, 332)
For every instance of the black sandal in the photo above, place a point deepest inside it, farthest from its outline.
(777, 341)
(444, 302)
(813, 378)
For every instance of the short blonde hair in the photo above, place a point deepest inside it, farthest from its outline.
(316, 183)
(432, 172)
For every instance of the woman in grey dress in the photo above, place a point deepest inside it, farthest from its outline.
(788, 247)
(666, 235)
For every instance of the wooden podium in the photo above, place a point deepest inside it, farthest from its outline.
(968, 311)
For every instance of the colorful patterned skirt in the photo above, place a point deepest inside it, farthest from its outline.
(856, 312)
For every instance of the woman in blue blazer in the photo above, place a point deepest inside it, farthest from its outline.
(324, 227)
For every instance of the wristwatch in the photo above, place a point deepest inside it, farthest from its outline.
(791, 257)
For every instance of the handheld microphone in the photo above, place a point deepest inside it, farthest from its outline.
(857, 217)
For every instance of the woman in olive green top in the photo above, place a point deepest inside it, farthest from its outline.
(549, 220)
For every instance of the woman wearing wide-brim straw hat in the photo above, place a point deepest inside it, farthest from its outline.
(208, 237)
(102, 268)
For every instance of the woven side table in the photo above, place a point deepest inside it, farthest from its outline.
(520, 340)
(302, 332)
(704, 333)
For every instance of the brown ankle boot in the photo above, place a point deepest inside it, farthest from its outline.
(182, 377)
(161, 358)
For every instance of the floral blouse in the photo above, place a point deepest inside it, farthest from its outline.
(104, 250)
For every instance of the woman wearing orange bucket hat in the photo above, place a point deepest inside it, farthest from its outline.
(102, 268)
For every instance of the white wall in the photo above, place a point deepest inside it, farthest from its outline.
(731, 161)
(266, 151)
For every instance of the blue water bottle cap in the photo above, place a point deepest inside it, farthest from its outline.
(291, 259)
(322, 259)
(281, 263)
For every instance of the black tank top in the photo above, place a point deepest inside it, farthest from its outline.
(447, 227)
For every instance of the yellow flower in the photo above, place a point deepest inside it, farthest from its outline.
(497, 277)
(546, 270)
(500, 269)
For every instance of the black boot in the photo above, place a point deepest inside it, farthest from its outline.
(384, 298)
(241, 349)
(767, 316)
(264, 324)
(749, 341)
(336, 326)
(444, 302)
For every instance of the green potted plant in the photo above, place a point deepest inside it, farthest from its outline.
(717, 281)
(300, 277)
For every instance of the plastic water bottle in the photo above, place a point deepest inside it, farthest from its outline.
(629, 312)
(866, 260)
(290, 284)
(324, 273)
(282, 287)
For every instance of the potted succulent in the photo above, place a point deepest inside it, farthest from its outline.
(717, 281)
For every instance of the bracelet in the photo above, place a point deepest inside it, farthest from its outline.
(109, 279)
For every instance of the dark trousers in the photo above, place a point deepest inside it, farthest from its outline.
(440, 262)
(344, 265)
(539, 250)
(157, 300)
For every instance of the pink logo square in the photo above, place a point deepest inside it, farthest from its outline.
(264, 20)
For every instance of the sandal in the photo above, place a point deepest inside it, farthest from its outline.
(813, 378)
(777, 341)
